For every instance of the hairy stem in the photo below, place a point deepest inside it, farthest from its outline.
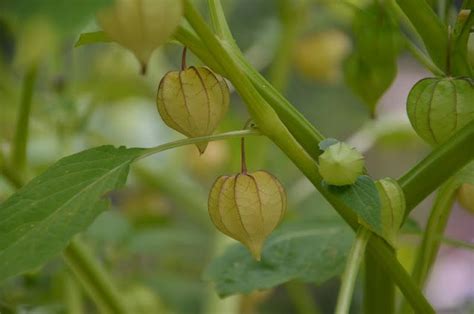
(352, 268)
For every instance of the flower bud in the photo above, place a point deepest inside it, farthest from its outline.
(341, 164)
(438, 107)
(466, 196)
(247, 207)
(193, 101)
(141, 25)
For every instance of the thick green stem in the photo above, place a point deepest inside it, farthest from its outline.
(444, 161)
(379, 291)
(270, 125)
(433, 234)
(23, 121)
(352, 268)
(93, 278)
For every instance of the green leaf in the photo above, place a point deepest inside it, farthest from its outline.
(363, 198)
(311, 251)
(372, 67)
(92, 38)
(39, 220)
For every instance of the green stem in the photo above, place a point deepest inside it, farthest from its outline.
(422, 58)
(22, 125)
(432, 236)
(379, 291)
(301, 298)
(72, 295)
(291, 17)
(444, 161)
(219, 22)
(195, 140)
(93, 277)
(352, 268)
(270, 125)
(430, 28)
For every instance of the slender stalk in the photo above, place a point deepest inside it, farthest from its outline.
(93, 278)
(430, 28)
(23, 121)
(194, 140)
(422, 58)
(183, 59)
(270, 125)
(243, 161)
(432, 236)
(352, 268)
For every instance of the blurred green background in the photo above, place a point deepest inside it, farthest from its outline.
(157, 239)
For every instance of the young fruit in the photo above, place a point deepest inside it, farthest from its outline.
(438, 107)
(247, 207)
(466, 196)
(141, 25)
(341, 164)
(193, 101)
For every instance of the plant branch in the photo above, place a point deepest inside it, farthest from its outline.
(352, 268)
(443, 162)
(379, 291)
(18, 157)
(432, 236)
(270, 125)
(93, 278)
(195, 140)
(422, 58)
(430, 28)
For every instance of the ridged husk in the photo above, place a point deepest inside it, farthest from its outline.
(341, 164)
(193, 101)
(393, 203)
(247, 207)
(438, 107)
(141, 25)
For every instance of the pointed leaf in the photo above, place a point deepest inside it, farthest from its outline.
(39, 220)
(312, 251)
(363, 198)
